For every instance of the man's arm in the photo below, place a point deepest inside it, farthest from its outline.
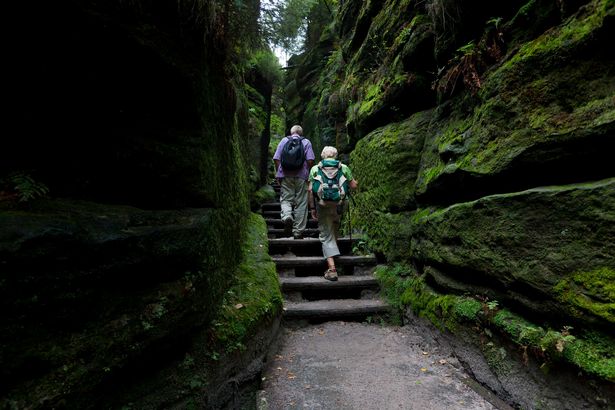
(309, 155)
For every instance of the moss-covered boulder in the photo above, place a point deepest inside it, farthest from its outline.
(136, 242)
(545, 116)
(549, 250)
(208, 369)
(87, 287)
(385, 163)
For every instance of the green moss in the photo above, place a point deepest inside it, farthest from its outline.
(263, 194)
(550, 91)
(429, 174)
(373, 97)
(574, 31)
(402, 287)
(524, 10)
(518, 329)
(385, 163)
(420, 214)
(591, 352)
(595, 354)
(589, 292)
(430, 305)
(255, 294)
(468, 309)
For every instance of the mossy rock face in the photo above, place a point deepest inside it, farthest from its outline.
(538, 245)
(591, 292)
(385, 164)
(545, 116)
(253, 116)
(302, 91)
(386, 90)
(147, 146)
(205, 371)
(105, 282)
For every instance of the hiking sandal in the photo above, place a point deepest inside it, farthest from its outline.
(331, 274)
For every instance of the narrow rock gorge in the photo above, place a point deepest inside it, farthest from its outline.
(134, 267)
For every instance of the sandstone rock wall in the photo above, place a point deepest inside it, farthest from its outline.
(481, 135)
(127, 113)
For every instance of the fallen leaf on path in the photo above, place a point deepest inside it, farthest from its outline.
(291, 376)
(321, 332)
(423, 369)
(307, 386)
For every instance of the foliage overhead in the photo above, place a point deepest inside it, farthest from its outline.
(283, 23)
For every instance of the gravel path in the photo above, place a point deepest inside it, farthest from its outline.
(339, 365)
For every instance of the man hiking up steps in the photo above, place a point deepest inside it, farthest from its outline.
(293, 158)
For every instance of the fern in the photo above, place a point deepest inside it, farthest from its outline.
(467, 49)
(495, 21)
(27, 188)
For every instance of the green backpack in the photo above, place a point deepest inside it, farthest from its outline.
(330, 185)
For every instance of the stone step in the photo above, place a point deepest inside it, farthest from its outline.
(305, 241)
(308, 246)
(309, 261)
(277, 223)
(279, 233)
(329, 309)
(320, 283)
(271, 214)
(271, 206)
(276, 215)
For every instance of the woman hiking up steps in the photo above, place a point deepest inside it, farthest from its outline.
(330, 182)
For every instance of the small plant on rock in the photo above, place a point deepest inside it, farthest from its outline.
(22, 186)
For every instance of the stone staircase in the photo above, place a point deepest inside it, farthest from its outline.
(300, 266)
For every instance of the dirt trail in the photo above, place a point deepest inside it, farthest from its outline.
(339, 365)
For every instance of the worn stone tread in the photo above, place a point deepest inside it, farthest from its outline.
(271, 206)
(322, 309)
(319, 283)
(276, 215)
(296, 261)
(280, 231)
(305, 241)
(271, 214)
(278, 223)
